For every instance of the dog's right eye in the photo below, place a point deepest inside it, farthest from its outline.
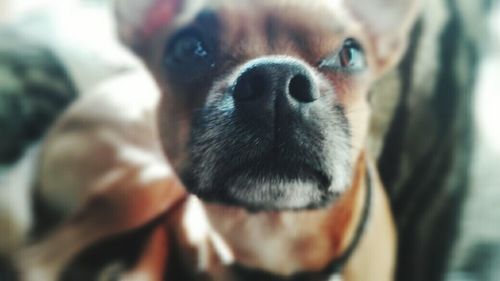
(188, 49)
(187, 52)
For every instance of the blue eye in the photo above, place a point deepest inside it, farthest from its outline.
(350, 58)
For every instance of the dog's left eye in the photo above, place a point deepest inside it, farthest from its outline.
(350, 58)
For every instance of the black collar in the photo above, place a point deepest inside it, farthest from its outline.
(335, 267)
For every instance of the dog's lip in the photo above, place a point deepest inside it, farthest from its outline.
(322, 178)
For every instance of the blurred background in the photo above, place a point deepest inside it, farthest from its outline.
(52, 51)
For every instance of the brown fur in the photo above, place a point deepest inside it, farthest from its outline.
(207, 236)
(323, 235)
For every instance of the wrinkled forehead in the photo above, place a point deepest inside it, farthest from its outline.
(318, 16)
(300, 15)
(326, 12)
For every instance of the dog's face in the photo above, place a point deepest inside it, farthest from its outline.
(264, 103)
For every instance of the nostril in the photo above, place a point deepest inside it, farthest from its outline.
(301, 89)
(251, 85)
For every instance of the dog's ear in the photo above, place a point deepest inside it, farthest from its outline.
(389, 23)
(137, 19)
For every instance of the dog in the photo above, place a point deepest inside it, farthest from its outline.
(263, 117)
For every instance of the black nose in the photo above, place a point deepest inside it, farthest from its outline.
(266, 82)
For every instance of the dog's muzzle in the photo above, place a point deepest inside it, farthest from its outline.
(274, 139)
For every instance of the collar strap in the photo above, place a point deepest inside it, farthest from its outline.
(337, 265)
(331, 269)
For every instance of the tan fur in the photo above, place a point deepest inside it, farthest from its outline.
(284, 248)
(274, 242)
(107, 191)
(375, 259)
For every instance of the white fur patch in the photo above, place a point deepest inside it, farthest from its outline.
(222, 248)
(199, 232)
(195, 219)
(299, 193)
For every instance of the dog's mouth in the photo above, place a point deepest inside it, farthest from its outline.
(270, 183)
(269, 189)
(274, 169)
(270, 142)
(295, 175)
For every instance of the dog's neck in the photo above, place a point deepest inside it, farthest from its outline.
(282, 243)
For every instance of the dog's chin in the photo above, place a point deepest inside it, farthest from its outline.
(278, 194)
(257, 194)
(277, 183)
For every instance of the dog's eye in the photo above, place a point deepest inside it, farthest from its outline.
(350, 58)
(188, 56)
(187, 49)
